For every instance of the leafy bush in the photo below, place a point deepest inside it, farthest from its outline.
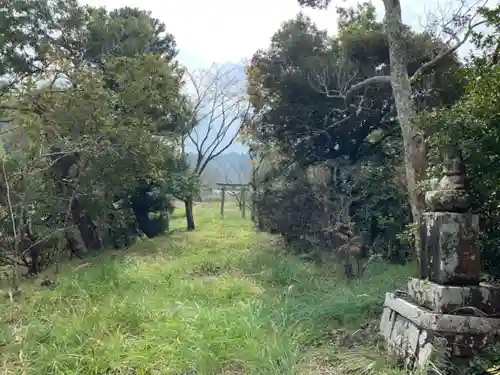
(338, 210)
(475, 121)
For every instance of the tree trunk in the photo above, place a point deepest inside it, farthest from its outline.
(415, 152)
(188, 204)
(222, 198)
(75, 242)
(253, 208)
(30, 242)
(88, 229)
(243, 203)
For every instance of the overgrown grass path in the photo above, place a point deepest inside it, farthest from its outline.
(219, 300)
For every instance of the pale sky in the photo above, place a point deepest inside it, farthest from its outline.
(222, 31)
(230, 31)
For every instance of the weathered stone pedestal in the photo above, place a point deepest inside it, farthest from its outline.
(449, 254)
(431, 323)
(446, 316)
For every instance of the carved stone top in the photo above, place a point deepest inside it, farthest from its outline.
(451, 193)
(453, 163)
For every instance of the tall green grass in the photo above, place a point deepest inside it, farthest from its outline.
(219, 300)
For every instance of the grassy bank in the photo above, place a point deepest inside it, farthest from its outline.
(220, 300)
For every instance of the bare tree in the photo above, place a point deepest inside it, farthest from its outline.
(458, 26)
(219, 106)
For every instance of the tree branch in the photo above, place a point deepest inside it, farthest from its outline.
(435, 61)
(354, 89)
(218, 104)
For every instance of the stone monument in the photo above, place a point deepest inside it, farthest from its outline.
(446, 316)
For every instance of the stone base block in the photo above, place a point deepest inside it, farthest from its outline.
(446, 299)
(421, 336)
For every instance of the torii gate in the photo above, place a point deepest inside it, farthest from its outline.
(243, 189)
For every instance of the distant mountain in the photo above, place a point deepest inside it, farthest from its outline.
(233, 168)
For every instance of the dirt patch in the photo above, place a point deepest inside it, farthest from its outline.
(365, 335)
(233, 370)
(320, 366)
(207, 279)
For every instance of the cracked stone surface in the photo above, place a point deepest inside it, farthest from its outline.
(449, 252)
(451, 193)
(448, 298)
(421, 336)
(445, 323)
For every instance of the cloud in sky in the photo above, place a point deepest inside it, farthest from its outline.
(209, 31)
